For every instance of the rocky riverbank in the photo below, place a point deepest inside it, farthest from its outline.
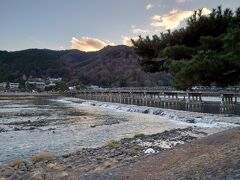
(95, 160)
(67, 139)
(215, 157)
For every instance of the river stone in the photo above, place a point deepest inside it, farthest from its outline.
(2, 130)
(146, 111)
(16, 129)
(149, 151)
(190, 121)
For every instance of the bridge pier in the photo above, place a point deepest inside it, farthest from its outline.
(228, 103)
(194, 101)
(171, 100)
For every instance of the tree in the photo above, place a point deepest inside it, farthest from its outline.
(80, 86)
(22, 85)
(205, 52)
(30, 87)
(61, 86)
(8, 85)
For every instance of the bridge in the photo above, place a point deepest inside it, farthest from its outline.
(182, 100)
(153, 97)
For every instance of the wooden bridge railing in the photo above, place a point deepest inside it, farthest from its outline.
(171, 99)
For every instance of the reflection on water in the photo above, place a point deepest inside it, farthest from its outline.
(212, 107)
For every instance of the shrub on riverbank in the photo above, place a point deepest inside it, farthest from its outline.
(133, 151)
(139, 135)
(113, 144)
(16, 163)
(43, 156)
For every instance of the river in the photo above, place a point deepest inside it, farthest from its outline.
(63, 125)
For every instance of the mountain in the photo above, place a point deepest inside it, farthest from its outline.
(113, 66)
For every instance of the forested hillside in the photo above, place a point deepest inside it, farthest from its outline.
(205, 52)
(110, 67)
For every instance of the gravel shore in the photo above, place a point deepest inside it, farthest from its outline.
(91, 142)
(214, 157)
(87, 161)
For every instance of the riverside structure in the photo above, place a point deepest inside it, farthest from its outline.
(180, 100)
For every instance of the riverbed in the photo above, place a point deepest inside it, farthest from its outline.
(63, 125)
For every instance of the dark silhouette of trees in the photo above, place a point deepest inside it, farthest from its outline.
(205, 52)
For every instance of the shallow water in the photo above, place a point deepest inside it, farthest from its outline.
(66, 124)
(48, 125)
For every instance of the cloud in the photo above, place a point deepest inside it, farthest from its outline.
(88, 44)
(173, 19)
(149, 6)
(137, 30)
(61, 47)
(206, 11)
(127, 40)
(182, 1)
(156, 18)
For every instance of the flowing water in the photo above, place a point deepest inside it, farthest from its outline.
(66, 124)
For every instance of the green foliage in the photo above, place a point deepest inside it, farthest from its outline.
(152, 65)
(205, 52)
(211, 43)
(30, 87)
(22, 85)
(231, 40)
(8, 85)
(178, 52)
(49, 88)
(113, 144)
(139, 135)
(133, 151)
(207, 69)
(61, 86)
(34, 62)
(109, 67)
(80, 86)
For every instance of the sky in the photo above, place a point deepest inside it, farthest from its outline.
(90, 25)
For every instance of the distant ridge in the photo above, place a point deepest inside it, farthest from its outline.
(112, 66)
